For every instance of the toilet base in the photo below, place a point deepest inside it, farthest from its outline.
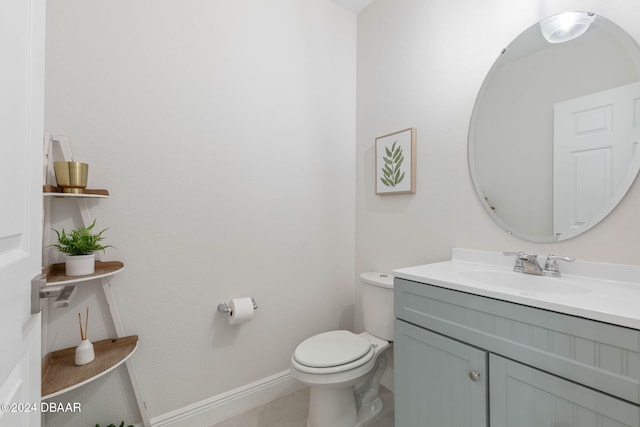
(344, 414)
(335, 407)
(348, 406)
(369, 412)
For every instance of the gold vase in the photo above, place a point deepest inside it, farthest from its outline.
(71, 176)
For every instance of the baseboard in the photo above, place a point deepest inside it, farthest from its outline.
(218, 408)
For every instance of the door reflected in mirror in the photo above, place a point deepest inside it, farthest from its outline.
(553, 138)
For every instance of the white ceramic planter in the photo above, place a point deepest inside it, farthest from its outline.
(79, 265)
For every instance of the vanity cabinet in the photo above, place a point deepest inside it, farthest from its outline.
(467, 360)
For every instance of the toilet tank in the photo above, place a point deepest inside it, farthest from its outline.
(377, 304)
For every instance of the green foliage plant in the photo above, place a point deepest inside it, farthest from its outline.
(81, 241)
(392, 163)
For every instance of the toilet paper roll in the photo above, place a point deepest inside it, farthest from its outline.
(241, 311)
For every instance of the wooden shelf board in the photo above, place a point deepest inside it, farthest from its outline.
(53, 191)
(60, 373)
(56, 273)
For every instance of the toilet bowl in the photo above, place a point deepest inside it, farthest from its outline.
(343, 369)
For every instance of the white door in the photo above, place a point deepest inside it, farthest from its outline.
(21, 133)
(595, 155)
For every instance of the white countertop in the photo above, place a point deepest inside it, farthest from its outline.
(599, 291)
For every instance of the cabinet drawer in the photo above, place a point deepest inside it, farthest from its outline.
(599, 355)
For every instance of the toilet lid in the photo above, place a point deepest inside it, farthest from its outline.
(333, 348)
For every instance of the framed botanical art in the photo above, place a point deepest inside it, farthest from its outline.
(396, 162)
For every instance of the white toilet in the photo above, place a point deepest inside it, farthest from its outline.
(343, 369)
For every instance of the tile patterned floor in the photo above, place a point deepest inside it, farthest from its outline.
(291, 411)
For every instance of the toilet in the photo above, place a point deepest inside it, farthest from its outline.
(343, 369)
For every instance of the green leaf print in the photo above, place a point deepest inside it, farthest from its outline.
(392, 175)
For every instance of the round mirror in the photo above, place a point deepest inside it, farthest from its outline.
(553, 139)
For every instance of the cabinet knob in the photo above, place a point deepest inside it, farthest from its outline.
(474, 376)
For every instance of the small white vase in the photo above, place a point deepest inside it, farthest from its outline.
(79, 265)
(85, 353)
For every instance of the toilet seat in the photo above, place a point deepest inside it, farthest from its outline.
(332, 352)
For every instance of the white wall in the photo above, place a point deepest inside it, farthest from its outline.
(421, 64)
(224, 131)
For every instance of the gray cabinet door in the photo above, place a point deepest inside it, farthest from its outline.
(441, 382)
(525, 397)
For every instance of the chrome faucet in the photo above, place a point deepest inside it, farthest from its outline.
(528, 264)
(518, 267)
(551, 266)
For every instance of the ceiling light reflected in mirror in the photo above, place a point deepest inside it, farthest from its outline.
(566, 26)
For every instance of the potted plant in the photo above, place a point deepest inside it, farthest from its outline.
(79, 246)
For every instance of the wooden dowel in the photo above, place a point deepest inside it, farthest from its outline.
(86, 324)
(80, 322)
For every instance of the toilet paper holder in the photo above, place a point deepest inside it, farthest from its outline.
(223, 307)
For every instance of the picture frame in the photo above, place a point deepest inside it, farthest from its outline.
(395, 164)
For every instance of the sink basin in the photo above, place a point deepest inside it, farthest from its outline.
(525, 283)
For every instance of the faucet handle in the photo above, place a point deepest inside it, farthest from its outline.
(551, 266)
(518, 267)
(513, 253)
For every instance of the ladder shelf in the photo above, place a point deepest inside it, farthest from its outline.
(59, 373)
